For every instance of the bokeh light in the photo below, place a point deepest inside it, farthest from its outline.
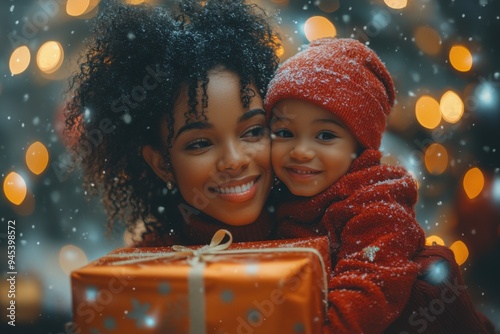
(427, 112)
(50, 57)
(319, 27)
(460, 58)
(28, 298)
(19, 60)
(281, 50)
(436, 158)
(71, 257)
(396, 4)
(460, 251)
(495, 190)
(486, 96)
(434, 239)
(473, 182)
(77, 7)
(14, 188)
(428, 40)
(445, 52)
(80, 7)
(451, 107)
(37, 157)
(438, 272)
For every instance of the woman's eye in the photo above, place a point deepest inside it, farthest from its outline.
(283, 133)
(326, 135)
(255, 132)
(197, 144)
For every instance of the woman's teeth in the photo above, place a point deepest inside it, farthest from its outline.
(235, 190)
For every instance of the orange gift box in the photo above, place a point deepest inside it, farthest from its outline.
(250, 287)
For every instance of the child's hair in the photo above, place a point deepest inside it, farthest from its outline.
(138, 60)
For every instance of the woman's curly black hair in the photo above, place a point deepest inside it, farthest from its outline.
(130, 75)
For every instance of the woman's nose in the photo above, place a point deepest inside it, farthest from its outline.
(233, 158)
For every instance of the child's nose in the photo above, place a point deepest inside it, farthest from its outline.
(302, 152)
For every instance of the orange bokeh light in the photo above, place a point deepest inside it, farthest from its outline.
(14, 188)
(71, 257)
(19, 60)
(396, 4)
(428, 40)
(460, 58)
(436, 159)
(473, 182)
(460, 251)
(451, 107)
(37, 158)
(434, 239)
(50, 57)
(80, 7)
(319, 27)
(427, 112)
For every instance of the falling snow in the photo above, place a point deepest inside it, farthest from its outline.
(60, 204)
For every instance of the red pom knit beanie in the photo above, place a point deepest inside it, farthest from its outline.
(343, 76)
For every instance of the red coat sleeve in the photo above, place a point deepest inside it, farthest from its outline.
(378, 236)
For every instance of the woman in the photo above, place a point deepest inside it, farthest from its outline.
(185, 148)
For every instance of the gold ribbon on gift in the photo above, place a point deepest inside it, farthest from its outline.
(196, 286)
(214, 247)
(197, 259)
(181, 252)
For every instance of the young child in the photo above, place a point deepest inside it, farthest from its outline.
(176, 99)
(328, 106)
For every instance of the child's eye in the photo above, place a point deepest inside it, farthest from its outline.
(326, 135)
(283, 133)
(197, 144)
(255, 132)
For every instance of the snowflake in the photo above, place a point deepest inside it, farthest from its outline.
(369, 252)
(139, 314)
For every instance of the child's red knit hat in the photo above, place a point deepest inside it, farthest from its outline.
(343, 76)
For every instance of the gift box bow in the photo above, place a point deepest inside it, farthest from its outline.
(193, 255)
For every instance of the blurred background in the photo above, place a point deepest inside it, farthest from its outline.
(444, 58)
